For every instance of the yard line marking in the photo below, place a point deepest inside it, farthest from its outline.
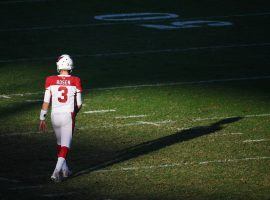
(27, 94)
(5, 97)
(142, 52)
(257, 115)
(26, 187)
(70, 26)
(22, 1)
(245, 116)
(183, 83)
(22, 133)
(99, 111)
(224, 134)
(183, 129)
(234, 160)
(157, 123)
(142, 123)
(141, 16)
(130, 116)
(22, 94)
(148, 123)
(15, 134)
(34, 100)
(58, 194)
(176, 50)
(25, 1)
(157, 85)
(9, 180)
(169, 121)
(227, 16)
(173, 165)
(258, 140)
(232, 134)
(212, 135)
(139, 123)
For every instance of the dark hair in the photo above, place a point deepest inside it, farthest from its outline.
(69, 71)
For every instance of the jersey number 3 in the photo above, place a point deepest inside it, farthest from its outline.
(64, 97)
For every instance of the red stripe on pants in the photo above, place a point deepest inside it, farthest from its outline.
(63, 152)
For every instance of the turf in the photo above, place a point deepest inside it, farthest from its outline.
(200, 102)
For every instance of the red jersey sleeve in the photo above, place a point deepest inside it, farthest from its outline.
(47, 82)
(78, 84)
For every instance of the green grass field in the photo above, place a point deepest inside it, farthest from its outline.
(188, 107)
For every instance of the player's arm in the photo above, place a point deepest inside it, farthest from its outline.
(79, 101)
(44, 111)
(78, 96)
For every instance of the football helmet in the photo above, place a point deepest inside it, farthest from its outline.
(64, 62)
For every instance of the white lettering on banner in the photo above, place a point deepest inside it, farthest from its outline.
(136, 16)
(187, 24)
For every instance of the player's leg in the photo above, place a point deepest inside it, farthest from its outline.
(65, 169)
(66, 138)
(56, 124)
(59, 148)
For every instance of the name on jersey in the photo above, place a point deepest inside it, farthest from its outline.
(63, 82)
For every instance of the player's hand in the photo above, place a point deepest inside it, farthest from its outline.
(42, 126)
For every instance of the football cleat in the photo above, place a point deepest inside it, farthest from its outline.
(66, 173)
(56, 177)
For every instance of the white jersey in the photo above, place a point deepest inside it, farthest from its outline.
(62, 91)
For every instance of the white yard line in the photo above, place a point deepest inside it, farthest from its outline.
(24, 1)
(232, 134)
(226, 117)
(99, 111)
(227, 16)
(26, 187)
(156, 123)
(211, 81)
(70, 26)
(152, 123)
(9, 180)
(211, 135)
(224, 134)
(257, 140)
(130, 116)
(22, 133)
(173, 165)
(142, 123)
(138, 123)
(33, 100)
(21, 94)
(185, 83)
(149, 167)
(142, 52)
(234, 160)
(53, 195)
(5, 97)
(257, 115)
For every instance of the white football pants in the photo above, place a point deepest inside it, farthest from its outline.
(63, 125)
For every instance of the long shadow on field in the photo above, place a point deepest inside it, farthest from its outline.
(157, 144)
(17, 108)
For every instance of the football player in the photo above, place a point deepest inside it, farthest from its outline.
(64, 93)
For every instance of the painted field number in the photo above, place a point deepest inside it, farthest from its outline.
(162, 16)
(136, 16)
(187, 24)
